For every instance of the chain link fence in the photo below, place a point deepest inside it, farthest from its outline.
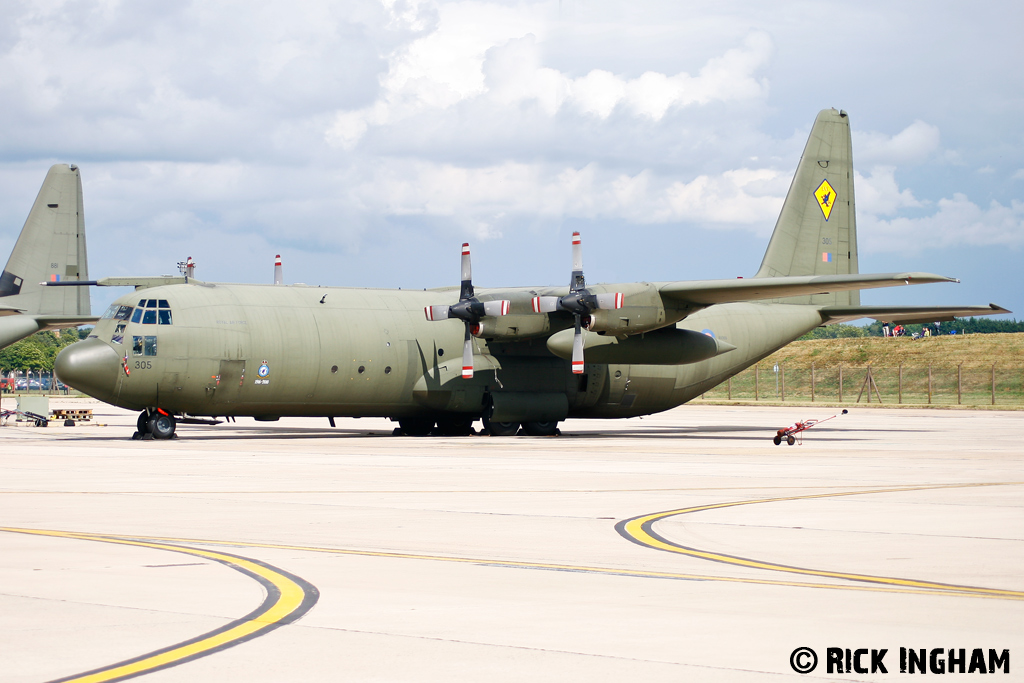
(961, 384)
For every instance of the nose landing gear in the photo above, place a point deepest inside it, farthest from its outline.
(155, 424)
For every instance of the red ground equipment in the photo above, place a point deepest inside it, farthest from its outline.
(790, 433)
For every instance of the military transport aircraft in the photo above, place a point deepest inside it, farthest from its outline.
(51, 247)
(179, 349)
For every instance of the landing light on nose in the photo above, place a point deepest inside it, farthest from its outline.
(91, 366)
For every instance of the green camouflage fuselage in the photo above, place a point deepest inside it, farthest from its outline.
(366, 352)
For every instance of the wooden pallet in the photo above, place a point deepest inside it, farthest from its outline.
(76, 414)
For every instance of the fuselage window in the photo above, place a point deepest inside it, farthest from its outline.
(150, 345)
(149, 317)
(123, 313)
(164, 316)
(136, 346)
(118, 337)
(137, 315)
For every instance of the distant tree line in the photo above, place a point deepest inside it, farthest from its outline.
(960, 325)
(38, 351)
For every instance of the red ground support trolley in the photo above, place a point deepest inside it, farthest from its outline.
(790, 433)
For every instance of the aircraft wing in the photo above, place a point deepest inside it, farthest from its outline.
(906, 314)
(709, 292)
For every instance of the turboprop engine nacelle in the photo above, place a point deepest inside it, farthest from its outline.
(512, 327)
(667, 346)
(627, 320)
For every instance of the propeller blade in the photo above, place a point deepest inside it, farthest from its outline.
(467, 355)
(577, 281)
(436, 312)
(496, 308)
(545, 304)
(577, 349)
(609, 300)
(467, 274)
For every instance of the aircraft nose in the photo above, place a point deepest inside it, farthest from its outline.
(90, 366)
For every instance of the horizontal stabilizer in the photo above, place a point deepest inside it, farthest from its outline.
(15, 327)
(907, 314)
(709, 292)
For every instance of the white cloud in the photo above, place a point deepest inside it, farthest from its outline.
(958, 222)
(912, 145)
(516, 191)
(878, 193)
(497, 70)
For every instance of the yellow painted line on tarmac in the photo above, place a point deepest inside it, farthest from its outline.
(640, 530)
(288, 598)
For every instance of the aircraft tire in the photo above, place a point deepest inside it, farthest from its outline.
(777, 440)
(501, 428)
(416, 426)
(162, 426)
(455, 426)
(791, 439)
(549, 428)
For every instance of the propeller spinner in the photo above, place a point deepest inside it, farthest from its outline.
(469, 309)
(579, 301)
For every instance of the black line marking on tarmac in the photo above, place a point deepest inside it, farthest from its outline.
(640, 530)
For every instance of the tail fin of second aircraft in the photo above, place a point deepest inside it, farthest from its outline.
(51, 248)
(816, 233)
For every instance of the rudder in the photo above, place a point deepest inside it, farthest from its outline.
(816, 233)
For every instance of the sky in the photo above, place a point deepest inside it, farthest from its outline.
(366, 140)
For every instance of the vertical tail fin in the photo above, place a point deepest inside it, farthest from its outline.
(51, 247)
(816, 233)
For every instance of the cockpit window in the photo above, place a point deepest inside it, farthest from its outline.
(118, 337)
(153, 312)
(144, 346)
(123, 312)
(109, 313)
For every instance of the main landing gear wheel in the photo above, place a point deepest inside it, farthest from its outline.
(162, 426)
(142, 424)
(416, 426)
(455, 426)
(541, 428)
(501, 428)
